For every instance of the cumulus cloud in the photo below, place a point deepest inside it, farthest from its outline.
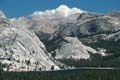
(60, 12)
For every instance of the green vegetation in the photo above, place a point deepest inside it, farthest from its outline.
(110, 46)
(82, 75)
(96, 60)
(53, 44)
(73, 75)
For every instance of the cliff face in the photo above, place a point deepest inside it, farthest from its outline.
(72, 48)
(21, 49)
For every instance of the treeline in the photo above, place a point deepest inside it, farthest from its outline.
(82, 75)
(110, 45)
(96, 60)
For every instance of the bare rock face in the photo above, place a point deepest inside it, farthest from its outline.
(71, 47)
(43, 25)
(44, 28)
(21, 49)
(89, 24)
(114, 14)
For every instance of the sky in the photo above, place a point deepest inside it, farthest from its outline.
(17, 8)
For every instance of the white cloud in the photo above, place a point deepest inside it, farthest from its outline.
(60, 12)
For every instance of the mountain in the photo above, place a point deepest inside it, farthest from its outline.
(64, 33)
(21, 49)
(71, 22)
(89, 24)
(71, 47)
(115, 14)
(98, 31)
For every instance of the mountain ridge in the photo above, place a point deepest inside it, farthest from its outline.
(46, 39)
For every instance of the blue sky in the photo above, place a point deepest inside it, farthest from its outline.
(16, 8)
